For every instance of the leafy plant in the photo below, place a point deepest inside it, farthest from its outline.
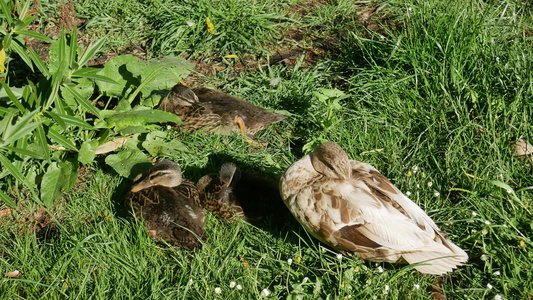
(50, 127)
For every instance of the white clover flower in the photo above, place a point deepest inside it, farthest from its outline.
(417, 186)
(190, 280)
(474, 213)
(306, 279)
(430, 184)
(169, 127)
(497, 273)
(408, 193)
(489, 286)
(339, 256)
(473, 231)
(417, 286)
(484, 231)
(380, 269)
(232, 284)
(218, 290)
(239, 287)
(436, 193)
(500, 176)
(410, 9)
(265, 292)
(289, 261)
(498, 297)
(487, 222)
(415, 169)
(509, 191)
(386, 290)
(275, 81)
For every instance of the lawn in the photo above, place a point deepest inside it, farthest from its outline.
(434, 94)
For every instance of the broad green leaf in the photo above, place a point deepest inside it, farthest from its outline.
(38, 62)
(9, 93)
(74, 121)
(43, 141)
(91, 73)
(81, 100)
(61, 140)
(22, 53)
(128, 163)
(7, 200)
(51, 184)
(24, 152)
(6, 12)
(145, 81)
(35, 35)
(22, 128)
(56, 58)
(117, 69)
(156, 145)
(171, 70)
(140, 116)
(90, 52)
(86, 154)
(134, 130)
(7, 165)
(69, 169)
(56, 118)
(73, 47)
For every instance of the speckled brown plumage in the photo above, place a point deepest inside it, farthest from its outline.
(169, 205)
(351, 207)
(232, 193)
(214, 111)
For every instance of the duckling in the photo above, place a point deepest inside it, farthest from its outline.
(351, 207)
(234, 193)
(169, 205)
(218, 112)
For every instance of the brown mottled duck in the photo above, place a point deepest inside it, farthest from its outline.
(251, 197)
(169, 205)
(214, 111)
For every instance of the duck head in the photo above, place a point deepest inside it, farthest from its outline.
(330, 160)
(165, 173)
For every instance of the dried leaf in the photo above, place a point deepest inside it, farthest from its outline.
(112, 145)
(436, 292)
(6, 212)
(522, 148)
(13, 274)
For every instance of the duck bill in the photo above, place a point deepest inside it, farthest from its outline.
(141, 185)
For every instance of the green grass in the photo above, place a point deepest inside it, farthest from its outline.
(448, 93)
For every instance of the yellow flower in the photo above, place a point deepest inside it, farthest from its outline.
(210, 26)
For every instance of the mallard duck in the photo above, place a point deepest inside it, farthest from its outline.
(215, 111)
(169, 205)
(251, 197)
(351, 207)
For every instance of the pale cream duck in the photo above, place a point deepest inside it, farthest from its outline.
(351, 207)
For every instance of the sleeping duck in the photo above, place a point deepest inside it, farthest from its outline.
(169, 205)
(214, 111)
(351, 207)
(251, 197)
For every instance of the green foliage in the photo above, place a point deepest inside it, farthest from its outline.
(50, 123)
(237, 27)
